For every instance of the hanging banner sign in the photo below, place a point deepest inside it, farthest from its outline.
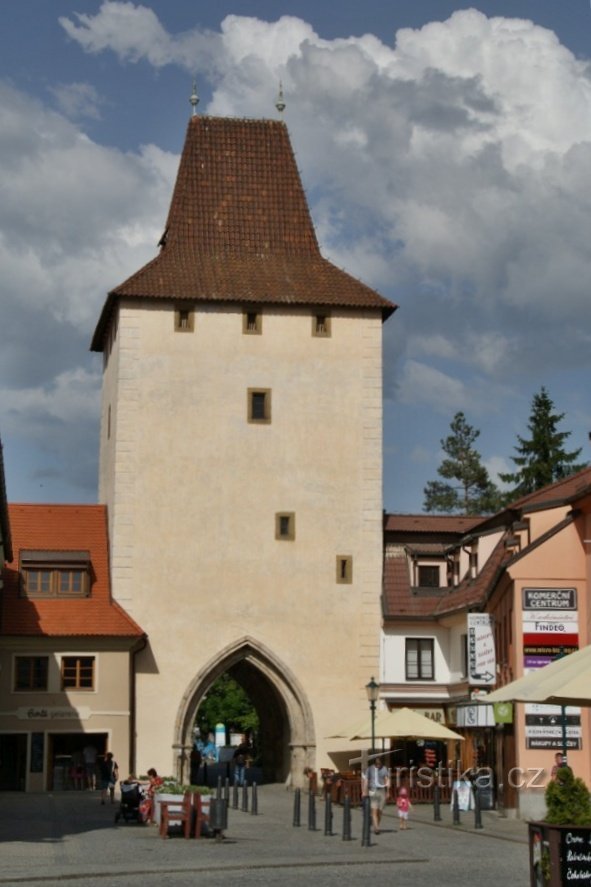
(482, 663)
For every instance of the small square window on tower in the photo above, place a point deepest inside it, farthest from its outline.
(321, 325)
(252, 322)
(259, 406)
(285, 526)
(344, 569)
(184, 319)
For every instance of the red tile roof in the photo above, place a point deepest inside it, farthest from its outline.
(399, 600)
(63, 528)
(562, 492)
(239, 229)
(431, 523)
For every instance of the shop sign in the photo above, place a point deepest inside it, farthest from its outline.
(503, 712)
(549, 599)
(481, 650)
(47, 713)
(435, 714)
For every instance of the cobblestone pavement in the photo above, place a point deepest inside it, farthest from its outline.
(48, 838)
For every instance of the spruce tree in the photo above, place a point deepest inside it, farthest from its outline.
(473, 492)
(542, 459)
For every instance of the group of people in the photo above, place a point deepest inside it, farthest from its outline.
(375, 784)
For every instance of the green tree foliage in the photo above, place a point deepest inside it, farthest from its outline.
(542, 459)
(473, 491)
(567, 799)
(227, 703)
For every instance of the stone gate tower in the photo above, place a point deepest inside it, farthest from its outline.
(241, 457)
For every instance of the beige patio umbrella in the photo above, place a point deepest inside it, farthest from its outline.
(403, 723)
(563, 682)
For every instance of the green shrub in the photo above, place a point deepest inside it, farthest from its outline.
(568, 800)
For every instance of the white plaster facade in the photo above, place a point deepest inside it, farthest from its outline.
(192, 490)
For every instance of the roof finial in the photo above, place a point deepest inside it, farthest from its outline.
(194, 98)
(280, 104)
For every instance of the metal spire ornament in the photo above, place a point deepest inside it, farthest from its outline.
(280, 104)
(194, 98)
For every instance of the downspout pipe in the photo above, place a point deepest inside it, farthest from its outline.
(139, 648)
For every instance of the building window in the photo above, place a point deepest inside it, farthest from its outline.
(184, 320)
(285, 526)
(259, 405)
(321, 325)
(344, 569)
(419, 659)
(55, 573)
(30, 672)
(428, 576)
(252, 323)
(78, 673)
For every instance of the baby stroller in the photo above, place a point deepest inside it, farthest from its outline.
(131, 797)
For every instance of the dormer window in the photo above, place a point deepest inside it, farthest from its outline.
(49, 574)
(428, 576)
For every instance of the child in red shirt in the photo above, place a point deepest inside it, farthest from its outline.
(404, 805)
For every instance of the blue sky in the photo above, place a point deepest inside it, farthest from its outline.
(445, 150)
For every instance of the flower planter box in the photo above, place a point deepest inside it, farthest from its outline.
(559, 855)
(170, 798)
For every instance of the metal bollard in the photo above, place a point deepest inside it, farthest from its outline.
(436, 804)
(366, 826)
(456, 807)
(297, 807)
(477, 810)
(235, 796)
(328, 815)
(218, 791)
(347, 818)
(227, 791)
(312, 812)
(254, 806)
(245, 798)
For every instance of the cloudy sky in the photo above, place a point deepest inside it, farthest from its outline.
(446, 153)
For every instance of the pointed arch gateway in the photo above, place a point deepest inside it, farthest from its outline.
(287, 737)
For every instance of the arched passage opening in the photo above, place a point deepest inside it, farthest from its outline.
(286, 736)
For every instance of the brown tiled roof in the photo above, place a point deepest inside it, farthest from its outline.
(239, 229)
(399, 600)
(473, 592)
(63, 528)
(562, 492)
(431, 523)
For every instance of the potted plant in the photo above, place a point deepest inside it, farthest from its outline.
(560, 845)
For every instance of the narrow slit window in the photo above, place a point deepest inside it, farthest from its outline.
(321, 325)
(259, 405)
(252, 322)
(184, 320)
(285, 526)
(344, 569)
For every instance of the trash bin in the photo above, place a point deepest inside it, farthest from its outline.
(218, 815)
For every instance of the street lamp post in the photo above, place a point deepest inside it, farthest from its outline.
(373, 689)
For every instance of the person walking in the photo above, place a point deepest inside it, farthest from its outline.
(89, 753)
(109, 773)
(375, 784)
